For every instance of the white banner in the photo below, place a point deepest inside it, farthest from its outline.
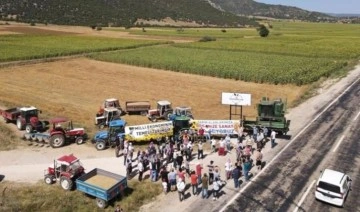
(217, 127)
(146, 132)
(236, 99)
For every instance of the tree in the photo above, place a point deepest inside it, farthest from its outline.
(263, 31)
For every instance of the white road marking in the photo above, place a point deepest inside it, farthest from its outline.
(287, 145)
(339, 142)
(357, 116)
(304, 196)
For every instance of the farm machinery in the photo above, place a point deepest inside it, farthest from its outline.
(111, 137)
(271, 114)
(163, 111)
(182, 111)
(109, 103)
(25, 118)
(62, 131)
(65, 170)
(108, 115)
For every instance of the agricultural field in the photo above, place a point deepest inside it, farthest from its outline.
(45, 44)
(287, 56)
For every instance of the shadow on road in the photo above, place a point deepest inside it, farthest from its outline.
(2, 177)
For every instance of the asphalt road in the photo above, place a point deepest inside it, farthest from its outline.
(285, 181)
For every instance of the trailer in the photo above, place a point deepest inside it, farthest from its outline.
(24, 118)
(137, 107)
(103, 185)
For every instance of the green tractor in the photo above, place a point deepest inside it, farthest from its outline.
(181, 123)
(271, 114)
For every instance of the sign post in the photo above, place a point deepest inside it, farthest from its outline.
(236, 101)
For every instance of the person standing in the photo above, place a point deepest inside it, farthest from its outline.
(272, 137)
(198, 169)
(125, 153)
(236, 175)
(228, 143)
(211, 171)
(172, 179)
(204, 186)
(228, 168)
(128, 168)
(247, 167)
(140, 167)
(200, 151)
(181, 189)
(213, 145)
(207, 133)
(201, 132)
(194, 183)
(258, 159)
(216, 187)
(130, 151)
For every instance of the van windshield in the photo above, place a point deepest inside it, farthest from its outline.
(329, 187)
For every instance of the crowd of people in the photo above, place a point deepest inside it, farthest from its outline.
(171, 161)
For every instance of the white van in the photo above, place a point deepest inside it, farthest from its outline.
(333, 187)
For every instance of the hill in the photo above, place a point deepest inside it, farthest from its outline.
(253, 8)
(117, 12)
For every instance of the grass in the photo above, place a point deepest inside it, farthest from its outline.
(24, 47)
(8, 139)
(42, 197)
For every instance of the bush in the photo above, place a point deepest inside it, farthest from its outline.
(223, 30)
(207, 39)
(98, 28)
(263, 31)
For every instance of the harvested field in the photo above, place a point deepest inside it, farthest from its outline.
(75, 89)
(101, 181)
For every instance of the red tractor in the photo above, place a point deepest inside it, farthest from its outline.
(63, 130)
(65, 170)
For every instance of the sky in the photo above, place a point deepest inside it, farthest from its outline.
(325, 6)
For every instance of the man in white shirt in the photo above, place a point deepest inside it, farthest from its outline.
(273, 136)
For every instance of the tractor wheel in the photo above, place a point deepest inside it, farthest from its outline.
(49, 179)
(57, 141)
(66, 183)
(79, 140)
(101, 203)
(100, 145)
(153, 118)
(19, 124)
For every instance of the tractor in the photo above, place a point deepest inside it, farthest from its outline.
(111, 137)
(65, 170)
(63, 130)
(25, 118)
(181, 124)
(109, 103)
(182, 111)
(108, 115)
(163, 111)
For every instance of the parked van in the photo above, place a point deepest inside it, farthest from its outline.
(333, 187)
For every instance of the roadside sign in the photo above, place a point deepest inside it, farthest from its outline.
(236, 99)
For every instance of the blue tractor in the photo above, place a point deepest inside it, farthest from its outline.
(111, 137)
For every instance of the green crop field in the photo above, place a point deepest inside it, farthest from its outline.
(191, 32)
(22, 47)
(294, 53)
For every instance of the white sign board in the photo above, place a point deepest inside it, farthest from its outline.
(236, 99)
(146, 132)
(217, 127)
